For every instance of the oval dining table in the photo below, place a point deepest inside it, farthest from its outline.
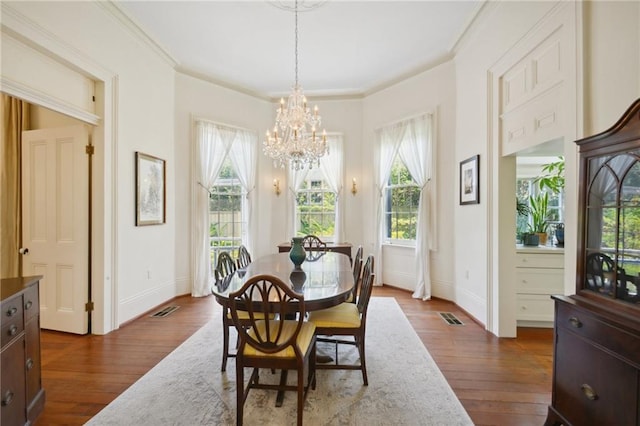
(324, 278)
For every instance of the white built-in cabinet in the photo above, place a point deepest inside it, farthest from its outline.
(539, 274)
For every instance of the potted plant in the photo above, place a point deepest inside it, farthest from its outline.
(552, 183)
(538, 210)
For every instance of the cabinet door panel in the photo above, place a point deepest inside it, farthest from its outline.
(12, 389)
(593, 387)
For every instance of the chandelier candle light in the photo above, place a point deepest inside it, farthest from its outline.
(296, 139)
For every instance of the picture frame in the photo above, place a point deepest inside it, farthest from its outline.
(151, 202)
(470, 180)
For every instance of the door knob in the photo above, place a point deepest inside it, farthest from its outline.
(23, 250)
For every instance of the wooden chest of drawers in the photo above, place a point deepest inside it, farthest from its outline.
(21, 390)
(596, 366)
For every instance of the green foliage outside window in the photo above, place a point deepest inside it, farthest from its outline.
(316, 205)
(401, 204)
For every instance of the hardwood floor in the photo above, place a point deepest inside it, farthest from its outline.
(498, 381)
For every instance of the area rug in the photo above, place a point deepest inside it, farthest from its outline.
(405, 385)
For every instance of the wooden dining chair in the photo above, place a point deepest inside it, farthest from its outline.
(347, 319)
(224, 268)
(357, 273)
(313, 243)
(244, 258)
(279, 343)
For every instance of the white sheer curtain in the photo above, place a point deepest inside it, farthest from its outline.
(295, 179)
(212, 145)
(389, 139)
(331, 166)
(415, 152)
(243, 155)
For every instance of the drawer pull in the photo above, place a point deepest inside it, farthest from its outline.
(13, 330)
(589, 392)
(29, 364)
(28, 305)
(8, 397)
(12, 311)
(575, 322)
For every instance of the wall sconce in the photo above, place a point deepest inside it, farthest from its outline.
(354, 188)
(276, 186)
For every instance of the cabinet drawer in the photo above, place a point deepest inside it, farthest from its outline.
(12, 322)
(535, 260)
(591, 327)
(534, 307)
(592, 387)
(540, 281)
(31, 302)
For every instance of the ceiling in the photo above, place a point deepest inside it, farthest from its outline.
(345, 48)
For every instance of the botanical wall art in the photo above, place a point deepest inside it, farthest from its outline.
(150, 190)
(470, 180)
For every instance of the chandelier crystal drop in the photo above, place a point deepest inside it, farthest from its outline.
(296, 138)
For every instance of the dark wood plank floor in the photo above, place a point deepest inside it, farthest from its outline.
(499, 381)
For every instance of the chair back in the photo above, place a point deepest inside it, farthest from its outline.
(366, 286)
(244, 258)
(267, 294)
(313, 243)
(357, 272)
(225, 266)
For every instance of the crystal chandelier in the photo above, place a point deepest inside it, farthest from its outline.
(296, 138)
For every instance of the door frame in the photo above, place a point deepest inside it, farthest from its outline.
(104, 244)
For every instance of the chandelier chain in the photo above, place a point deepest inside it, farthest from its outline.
(296, 50)
(296, 138)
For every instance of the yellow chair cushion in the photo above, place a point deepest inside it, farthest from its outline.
(305, 337)
(344, 315)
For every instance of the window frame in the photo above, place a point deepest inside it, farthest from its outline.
(388, 213)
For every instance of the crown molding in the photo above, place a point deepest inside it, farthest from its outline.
(482, 10)
(137, 30)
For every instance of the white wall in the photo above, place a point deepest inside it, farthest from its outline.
(138, 261)
(610, 85)
(149, 109)
(202, 99)
(430, 91)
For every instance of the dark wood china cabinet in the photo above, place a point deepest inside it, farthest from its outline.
(596, 368)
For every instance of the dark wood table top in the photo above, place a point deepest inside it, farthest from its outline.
(326, 281)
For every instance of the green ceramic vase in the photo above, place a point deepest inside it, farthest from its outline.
(297, 253)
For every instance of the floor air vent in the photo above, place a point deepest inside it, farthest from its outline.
(450, 318)
(165, 311)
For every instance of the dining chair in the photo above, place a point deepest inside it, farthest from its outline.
(347, 319)
(224, 268)
(313, 243)
(244, 258)
(279, 343)
(357, 272)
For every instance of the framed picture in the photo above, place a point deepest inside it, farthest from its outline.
(470, 180)
(150, 190)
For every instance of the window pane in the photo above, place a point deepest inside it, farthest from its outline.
(401, 206)
(316, 208)
(225, 213)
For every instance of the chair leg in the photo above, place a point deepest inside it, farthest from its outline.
(240, 394)
(225, 341)
(300, 395)
(363, 364)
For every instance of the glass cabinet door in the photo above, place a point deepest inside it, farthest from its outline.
(613, 226)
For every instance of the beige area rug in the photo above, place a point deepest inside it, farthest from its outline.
(405, 385)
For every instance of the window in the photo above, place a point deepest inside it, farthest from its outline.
(402, 196)
(226, 225)
(316, 207)
(526, 187)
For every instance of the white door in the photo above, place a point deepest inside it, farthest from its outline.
(55, 223)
